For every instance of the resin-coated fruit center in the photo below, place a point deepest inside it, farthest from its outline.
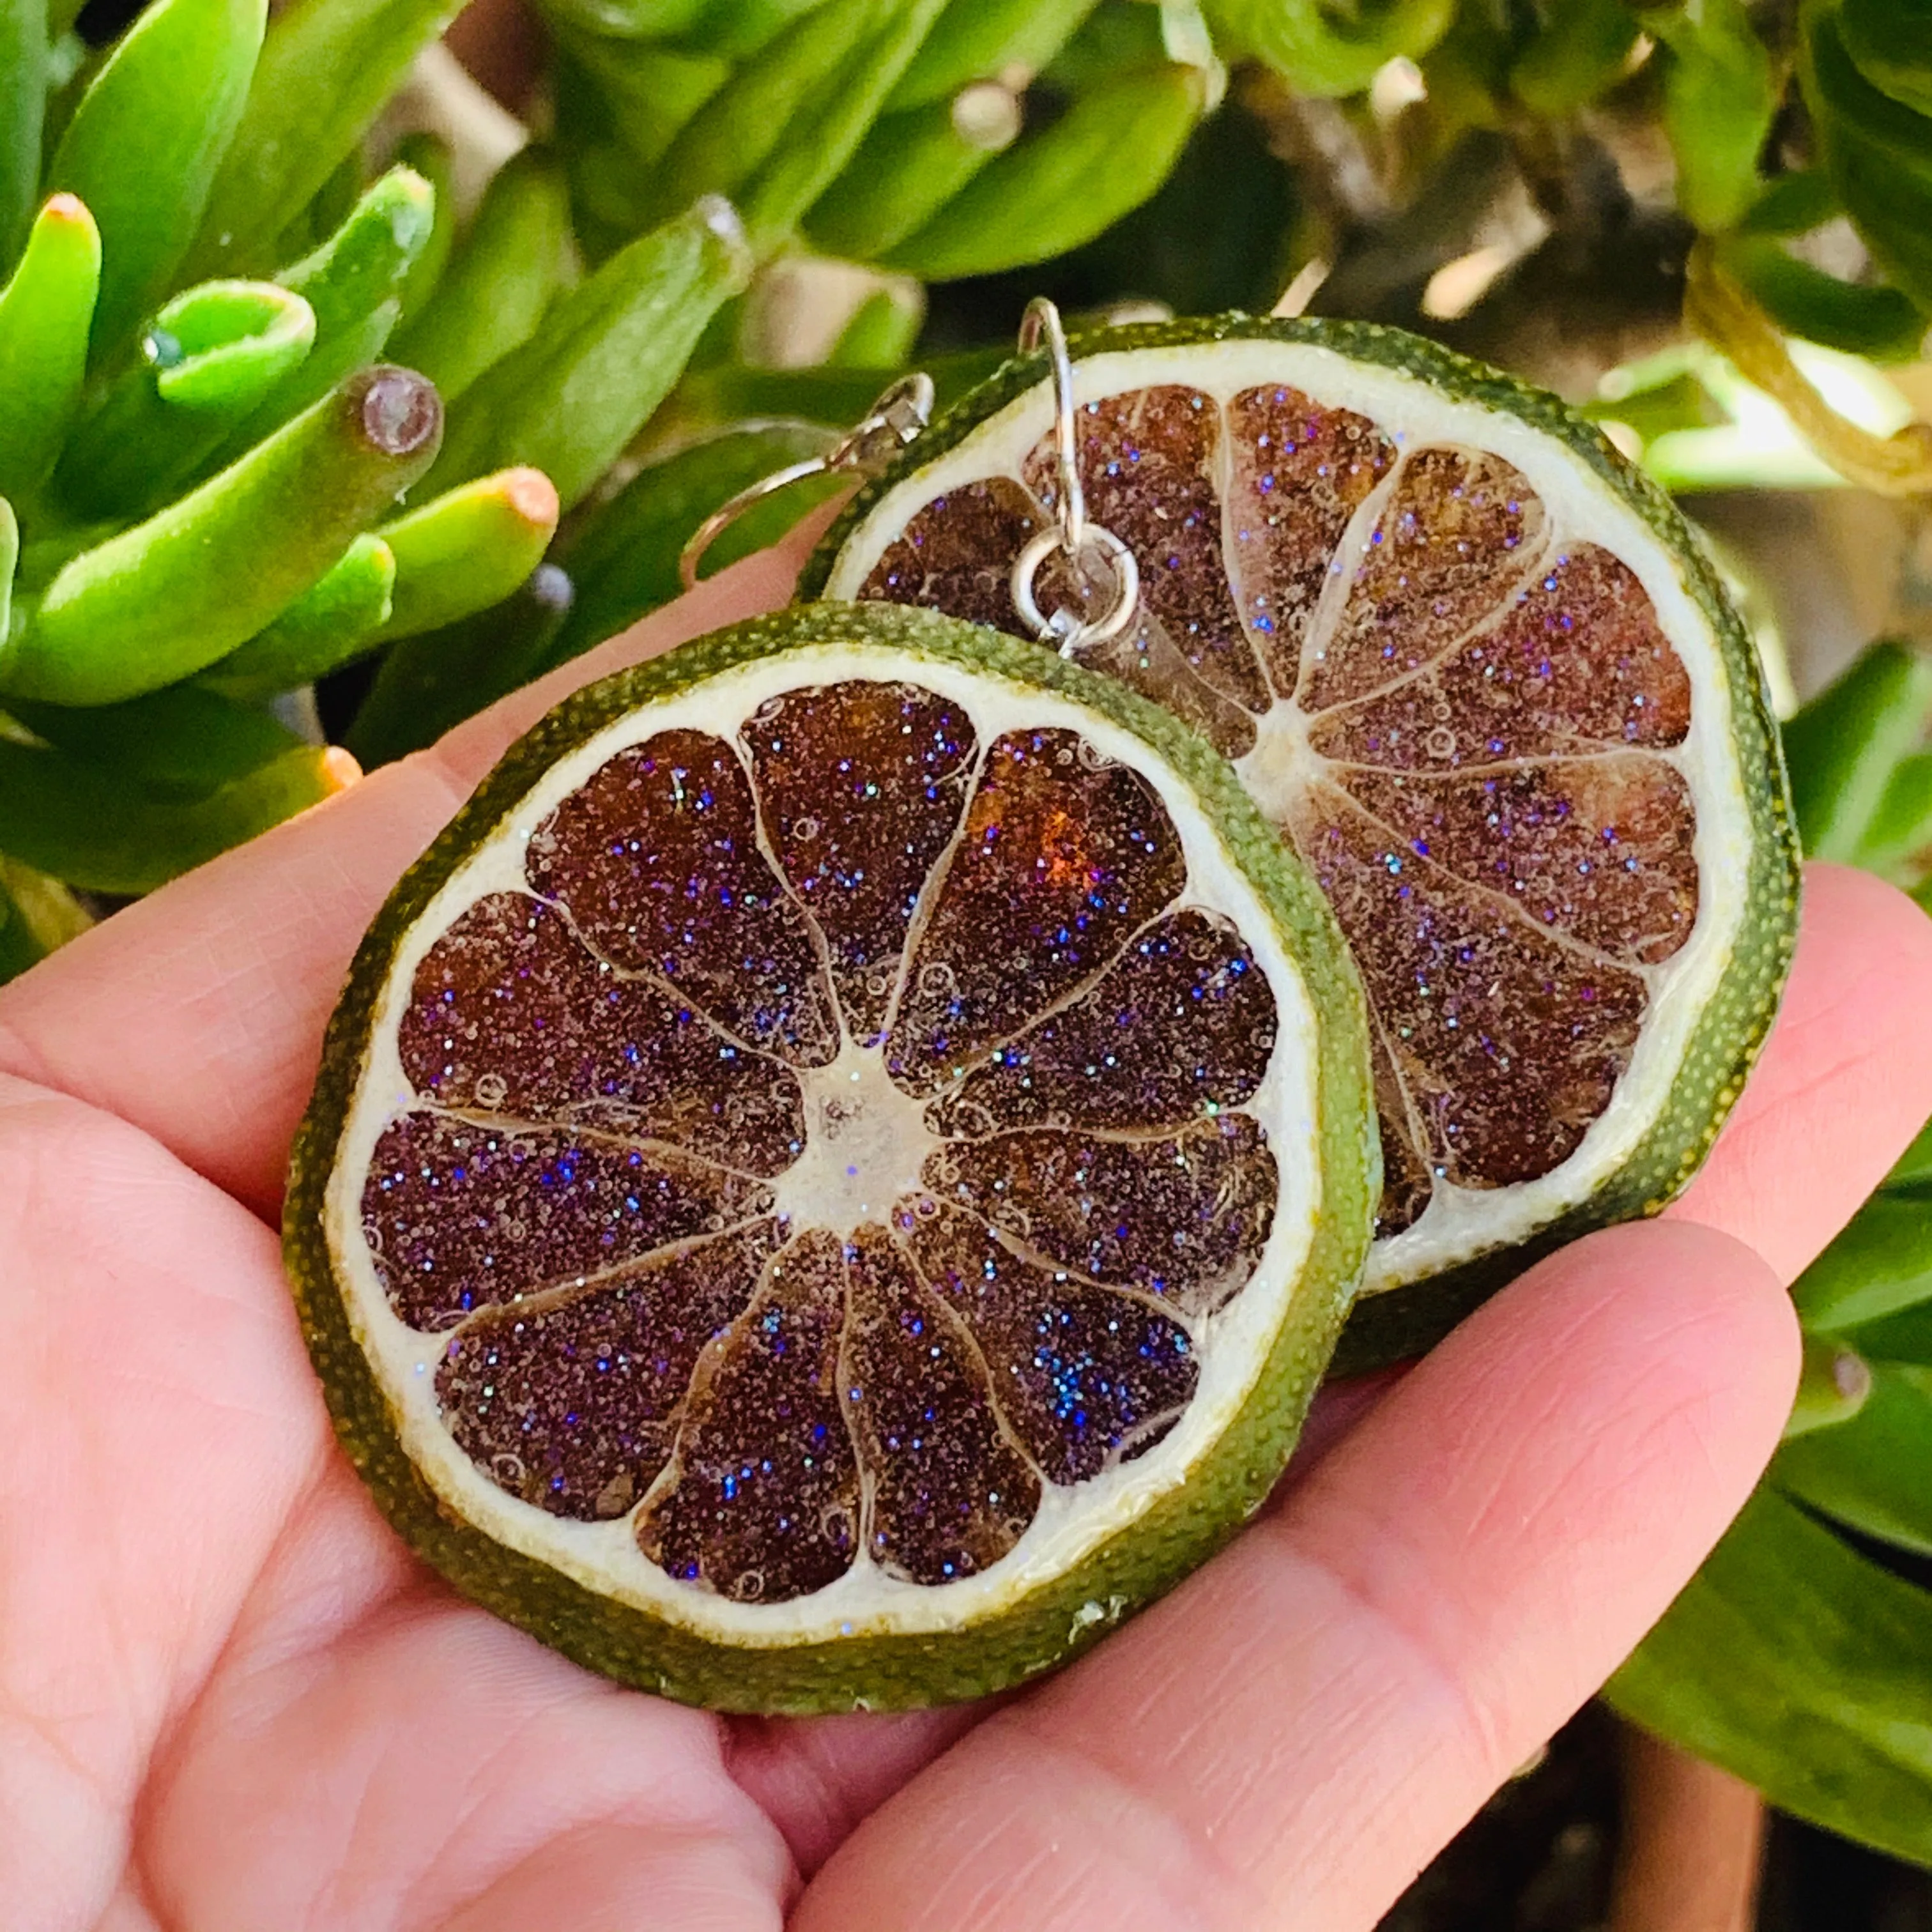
(832, 1147)
(1465, 717)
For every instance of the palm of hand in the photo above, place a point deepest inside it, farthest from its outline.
(230, 1699)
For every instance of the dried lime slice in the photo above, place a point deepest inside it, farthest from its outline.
(835, 1179)
(1478, 673)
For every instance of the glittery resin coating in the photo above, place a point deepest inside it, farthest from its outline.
(1477, 674)
(835, 1178)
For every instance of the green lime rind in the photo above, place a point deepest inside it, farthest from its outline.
(1045, 1626)
(1399, 1322)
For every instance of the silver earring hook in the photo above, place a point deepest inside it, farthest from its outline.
(1042, 319)
(897, 416)
(1069, 531)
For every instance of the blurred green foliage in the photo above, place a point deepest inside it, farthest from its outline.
(1801, 1656)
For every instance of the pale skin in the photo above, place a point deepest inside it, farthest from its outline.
(230, 1701)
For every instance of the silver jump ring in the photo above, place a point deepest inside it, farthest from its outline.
(1075, 636)
(897, 415)
(1069, 531)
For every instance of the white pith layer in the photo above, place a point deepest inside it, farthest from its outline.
(1458, 1222)
(1229, 1346)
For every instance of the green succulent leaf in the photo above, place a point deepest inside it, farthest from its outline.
(23, 85)
(907, 168)
(1906, 1336)
(171, 94)
(822, 140)
(334, 621)
(728, 30)
(1822, 1698)
(775, 135)
(327, 210)
(1859, 320)
(1877, 152)
(327, 66)
(747, 120)
(1326, 51)
(619, 105)
(979, 39)
(1792, 204)
(1834, 1383)
(46, 309)
(353, 283)
(83, 823)
(568, 399)
(179, 591)
(430, 157)
(1879, 1265)
(1891, 42)
(185, 742)
(1872, 1471)
(467, 549)
(1842, 747)
(502, 278)
(1721, 94)
(879, 335)
(623, 560)
(428, 683)
(208, 358)
(1579, 49)
(1060, 186)
(1897, 842)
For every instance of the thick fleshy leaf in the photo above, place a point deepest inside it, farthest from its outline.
(570, 399)
(1805, 1668)
(23, 55)
(46, 311)
(326, 67)
(335, 620)
(502, 278)
(1056, 189)
(1874, 1472)
(178, 593)
(467, 549)
(207, 359)
(1842, 747)
(436, 678)
(83, 823)
(353, 283)
(171, 93)
(624, 558)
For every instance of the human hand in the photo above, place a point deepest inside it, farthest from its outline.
(230, 1699)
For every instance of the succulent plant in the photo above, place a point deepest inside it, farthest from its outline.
(204, 459)
(265, 412)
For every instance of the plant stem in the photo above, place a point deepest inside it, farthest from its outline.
(1693, 1844)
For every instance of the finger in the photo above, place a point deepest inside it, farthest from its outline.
(816, 1778)
(1289, 1737)
(159, 1417)
(198, 1014)
(1845, 1080)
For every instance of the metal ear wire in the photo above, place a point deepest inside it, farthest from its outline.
(1069, 531)
(897, 416)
